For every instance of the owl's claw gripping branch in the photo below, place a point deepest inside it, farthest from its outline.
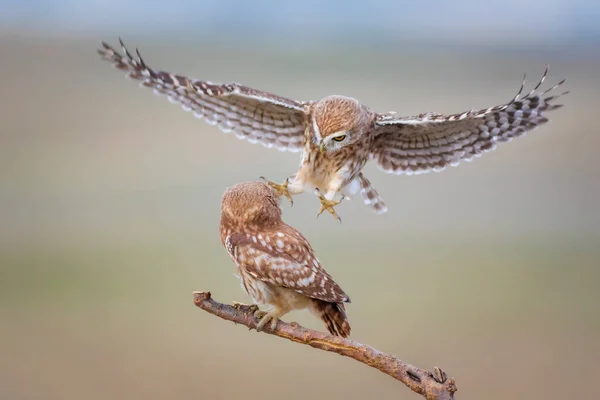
(264, 318)
(327, 205)
(280, 189)
(242, 306)
(434, 385)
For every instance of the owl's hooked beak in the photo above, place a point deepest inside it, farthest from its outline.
(322, 147)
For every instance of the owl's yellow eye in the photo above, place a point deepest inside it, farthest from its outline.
(339, 138)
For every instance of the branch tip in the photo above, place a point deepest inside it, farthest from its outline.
(201, 296)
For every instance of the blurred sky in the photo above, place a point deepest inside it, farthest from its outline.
(508, 22)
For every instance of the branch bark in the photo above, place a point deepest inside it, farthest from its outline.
(431, 385)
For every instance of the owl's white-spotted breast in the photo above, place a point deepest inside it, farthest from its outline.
(337, 135)
(276, 264)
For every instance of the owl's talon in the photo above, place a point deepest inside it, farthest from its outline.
(327, 205)
(239, 306)
(280, 190)
(258, 314)
(265, 318)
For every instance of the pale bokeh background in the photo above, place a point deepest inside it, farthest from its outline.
(110, 196)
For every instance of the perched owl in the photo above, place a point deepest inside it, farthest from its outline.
(276, 264)
(337, 135)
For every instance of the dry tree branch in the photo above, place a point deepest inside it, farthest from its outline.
(432, 386)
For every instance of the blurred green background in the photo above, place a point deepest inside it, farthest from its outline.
(109, 213)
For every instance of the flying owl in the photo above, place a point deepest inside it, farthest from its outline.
(337, 135)
(277, 265)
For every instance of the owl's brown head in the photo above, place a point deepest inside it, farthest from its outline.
(250, 204)
(338, 121)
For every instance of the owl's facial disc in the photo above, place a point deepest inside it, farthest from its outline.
(334, 142)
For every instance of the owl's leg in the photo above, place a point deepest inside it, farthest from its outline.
(271, 316)
(327, 204)
(280, 189)
(351, 189)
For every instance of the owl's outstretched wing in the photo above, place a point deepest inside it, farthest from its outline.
(257, 116)
(286, 260)
(431, 142)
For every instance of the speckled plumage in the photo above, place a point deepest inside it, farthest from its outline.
(337, 135)
(277, 265)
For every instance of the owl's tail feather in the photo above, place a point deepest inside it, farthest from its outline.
(334, 316)
(370, 195)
